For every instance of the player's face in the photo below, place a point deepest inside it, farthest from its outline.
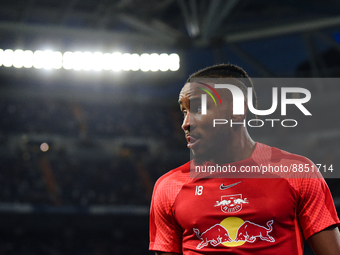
(204, 140)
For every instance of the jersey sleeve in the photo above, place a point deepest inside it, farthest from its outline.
(316, 210)
(165, 233)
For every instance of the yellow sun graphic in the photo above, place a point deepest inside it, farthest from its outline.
(232, 224)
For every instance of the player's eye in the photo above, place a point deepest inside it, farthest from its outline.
(196, 109)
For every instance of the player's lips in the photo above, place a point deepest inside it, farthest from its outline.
(192, 140)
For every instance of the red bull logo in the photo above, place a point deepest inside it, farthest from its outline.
(215, 235)
(249, 231)
(231, 203)
(233, 231)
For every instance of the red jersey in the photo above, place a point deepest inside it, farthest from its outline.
(239, 215)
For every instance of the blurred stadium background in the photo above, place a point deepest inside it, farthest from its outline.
(82, 143)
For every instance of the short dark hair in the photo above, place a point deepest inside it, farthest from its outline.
(226, 71)
(220, 71)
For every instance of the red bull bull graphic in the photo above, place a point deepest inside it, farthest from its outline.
(249, 231)
(232, 232)
(215, 235)
(231, 203)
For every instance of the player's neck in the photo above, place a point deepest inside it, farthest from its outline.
(241, 147)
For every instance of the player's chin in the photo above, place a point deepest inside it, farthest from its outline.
(201, 156)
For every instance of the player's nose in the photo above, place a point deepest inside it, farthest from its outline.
(188, 122)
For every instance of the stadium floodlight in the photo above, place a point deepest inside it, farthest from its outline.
(87, 61)
(1, 56)
(38, 59)
(163, 62)
(68, 60)
(77, 60)
(134, 62)
(126, 62)
(27, 58)
(107, 61)
(117, 59)
(154, 62)
(97, 61)
(18, 58)
(174, 62)
(144, 61)
(52, 60)
(7, 58)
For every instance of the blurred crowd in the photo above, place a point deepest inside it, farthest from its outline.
(51, 244)
(57, 178)
(65, 180)
(123, 178)
(88, 119)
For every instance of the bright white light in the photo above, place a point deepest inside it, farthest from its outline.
(174, 62)
(144, 61)
(164, 62)
(134, 62)
(27, 58)
(18, 58)
(48, 60)
(51, 60)
(38, 59)
(77, 63)
(117, 59)
(154, 62)
(68, 60)
(8, 58)
(126, 62)
(57, 61)
(107, 61)
(97, 61)
(89, 61)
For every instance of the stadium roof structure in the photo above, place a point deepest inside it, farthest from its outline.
(140, 26)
